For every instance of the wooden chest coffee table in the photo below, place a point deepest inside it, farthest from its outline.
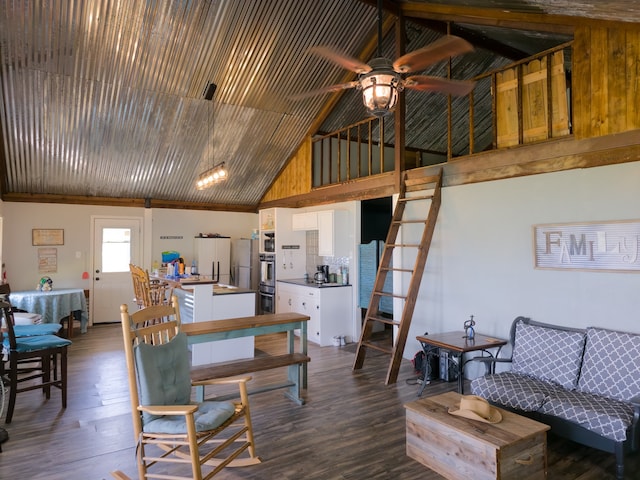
(460, 448)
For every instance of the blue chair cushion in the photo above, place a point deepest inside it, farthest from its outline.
(210, 415)
(37, 342)
(38, 329)
(163, 375)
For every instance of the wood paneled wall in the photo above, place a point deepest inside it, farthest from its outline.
(295, 178)
(606, 81)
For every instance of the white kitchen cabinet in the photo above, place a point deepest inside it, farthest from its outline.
(329, 309)
(284, 298)
(304, 221)
(333, 233)
(290, 246)
(213, 255)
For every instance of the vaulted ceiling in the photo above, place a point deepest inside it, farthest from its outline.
(101, 100)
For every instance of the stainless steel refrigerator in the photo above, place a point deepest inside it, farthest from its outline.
(245, 263)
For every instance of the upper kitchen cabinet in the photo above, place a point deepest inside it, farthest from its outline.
(334, 233)
(304, 221)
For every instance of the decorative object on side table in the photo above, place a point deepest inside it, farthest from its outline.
(469, 332)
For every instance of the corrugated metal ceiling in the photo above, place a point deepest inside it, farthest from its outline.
(104, 97)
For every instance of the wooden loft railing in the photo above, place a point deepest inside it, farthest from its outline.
(530, 103)
(350, 153)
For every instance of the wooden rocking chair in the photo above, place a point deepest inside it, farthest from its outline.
(170, 430)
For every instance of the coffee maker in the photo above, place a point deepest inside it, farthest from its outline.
(322, 274)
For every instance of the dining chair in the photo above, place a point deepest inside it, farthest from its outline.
(32, 358)
(148, 292)
(171, 432)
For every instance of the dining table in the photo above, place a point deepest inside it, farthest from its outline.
(53, 305)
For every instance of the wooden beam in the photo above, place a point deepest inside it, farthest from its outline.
(494, 17)
(377, 186)
(124, 202)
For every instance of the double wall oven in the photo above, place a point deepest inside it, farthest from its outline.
(267, 283)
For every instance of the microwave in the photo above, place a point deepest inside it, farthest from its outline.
(269, 243)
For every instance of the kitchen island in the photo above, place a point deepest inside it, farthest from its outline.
(200, 300)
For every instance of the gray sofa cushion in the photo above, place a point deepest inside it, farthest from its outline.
(548, 354)
(604, 416)
(611, 365)
(513, 390)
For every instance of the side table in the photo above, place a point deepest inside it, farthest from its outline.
(457, 344)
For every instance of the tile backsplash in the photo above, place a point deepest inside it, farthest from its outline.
(313, 259)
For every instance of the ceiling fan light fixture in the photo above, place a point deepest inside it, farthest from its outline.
(380, 91)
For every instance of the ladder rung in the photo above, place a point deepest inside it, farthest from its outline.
(393, 245)
(400, 222)
(387, 294)
(386, 321)
(377, 346)
(391, 269)
(421, 197)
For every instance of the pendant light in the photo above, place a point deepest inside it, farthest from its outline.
(217, 173)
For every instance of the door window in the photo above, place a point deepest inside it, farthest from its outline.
(116, 250)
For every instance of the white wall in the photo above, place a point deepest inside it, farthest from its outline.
(481, 260)
(21, 258)
(189, 223)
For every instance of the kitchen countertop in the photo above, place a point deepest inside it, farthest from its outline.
(186, 282)
(311, 283)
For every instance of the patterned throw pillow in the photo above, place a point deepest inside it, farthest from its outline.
(548, 354)
(611, 366)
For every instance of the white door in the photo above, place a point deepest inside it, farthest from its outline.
(116, 243)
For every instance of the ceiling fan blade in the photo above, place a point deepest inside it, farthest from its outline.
(341, 59)
(320, 91)
(440, 85)
(442, 48)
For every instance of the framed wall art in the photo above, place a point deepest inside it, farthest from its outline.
(606, 246)
(47, 236)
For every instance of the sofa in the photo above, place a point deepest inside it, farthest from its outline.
(584, 383)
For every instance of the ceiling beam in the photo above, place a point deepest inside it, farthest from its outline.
(474, 38)
(493, 17)
(125, 202)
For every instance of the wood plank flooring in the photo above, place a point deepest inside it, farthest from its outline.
(352, 427)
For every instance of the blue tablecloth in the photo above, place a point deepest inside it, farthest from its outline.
(53, 305)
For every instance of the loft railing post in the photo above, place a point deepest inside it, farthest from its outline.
(549, 58)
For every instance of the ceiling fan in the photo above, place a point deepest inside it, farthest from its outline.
(381, 79)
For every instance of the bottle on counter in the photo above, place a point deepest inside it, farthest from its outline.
(345, 275)
(194, 268)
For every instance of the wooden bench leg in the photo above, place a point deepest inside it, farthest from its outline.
(295, 374)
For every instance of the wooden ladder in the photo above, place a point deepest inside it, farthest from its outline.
(427, 190)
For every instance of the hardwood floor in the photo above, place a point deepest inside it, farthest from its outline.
(352, 427)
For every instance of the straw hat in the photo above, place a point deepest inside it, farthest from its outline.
(476, 408)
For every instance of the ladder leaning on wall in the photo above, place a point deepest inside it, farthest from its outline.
(425, 190)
